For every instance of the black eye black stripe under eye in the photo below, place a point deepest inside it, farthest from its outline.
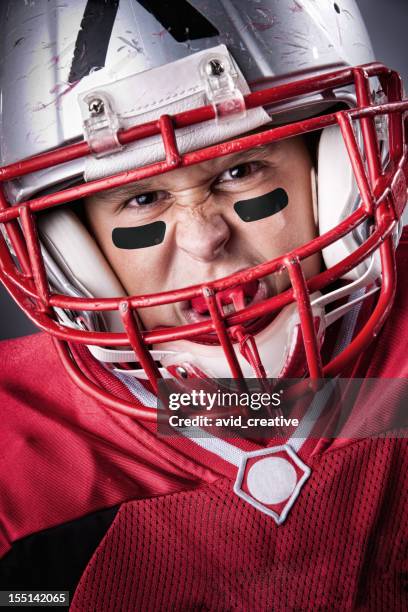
(139, 237)
(263, 206)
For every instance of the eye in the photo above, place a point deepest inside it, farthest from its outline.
(239, 172)
(143, 200)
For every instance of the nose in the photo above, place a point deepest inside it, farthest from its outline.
(202, 233)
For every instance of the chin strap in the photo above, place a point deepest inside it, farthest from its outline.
(247, 347)
(357, 291)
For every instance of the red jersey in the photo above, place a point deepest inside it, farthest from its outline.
(96, 503)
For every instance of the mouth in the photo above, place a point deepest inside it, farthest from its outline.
(230, 301)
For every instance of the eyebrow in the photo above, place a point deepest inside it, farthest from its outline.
(223, 162)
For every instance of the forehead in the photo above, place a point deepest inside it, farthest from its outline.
(184, 178)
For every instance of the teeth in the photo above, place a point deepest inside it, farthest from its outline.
(228, 309)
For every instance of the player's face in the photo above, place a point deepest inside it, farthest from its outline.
(204, 222)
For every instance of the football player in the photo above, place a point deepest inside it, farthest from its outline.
(194, 191)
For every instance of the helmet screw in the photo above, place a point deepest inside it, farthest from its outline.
(181, 372)
(215, 67)
(96, 106)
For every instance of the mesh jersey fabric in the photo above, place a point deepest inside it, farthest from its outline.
(344, 548)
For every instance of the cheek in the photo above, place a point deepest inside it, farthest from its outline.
(136, 254)
(141, 269)
(276, 221)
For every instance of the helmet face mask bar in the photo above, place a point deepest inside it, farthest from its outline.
(383, 195)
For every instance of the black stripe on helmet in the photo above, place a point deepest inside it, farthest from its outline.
(180, 19)
(93, 37)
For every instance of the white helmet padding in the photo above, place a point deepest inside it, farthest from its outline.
(338, 197)
(80, 259)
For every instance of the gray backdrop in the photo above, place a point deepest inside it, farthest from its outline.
(387, 23)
